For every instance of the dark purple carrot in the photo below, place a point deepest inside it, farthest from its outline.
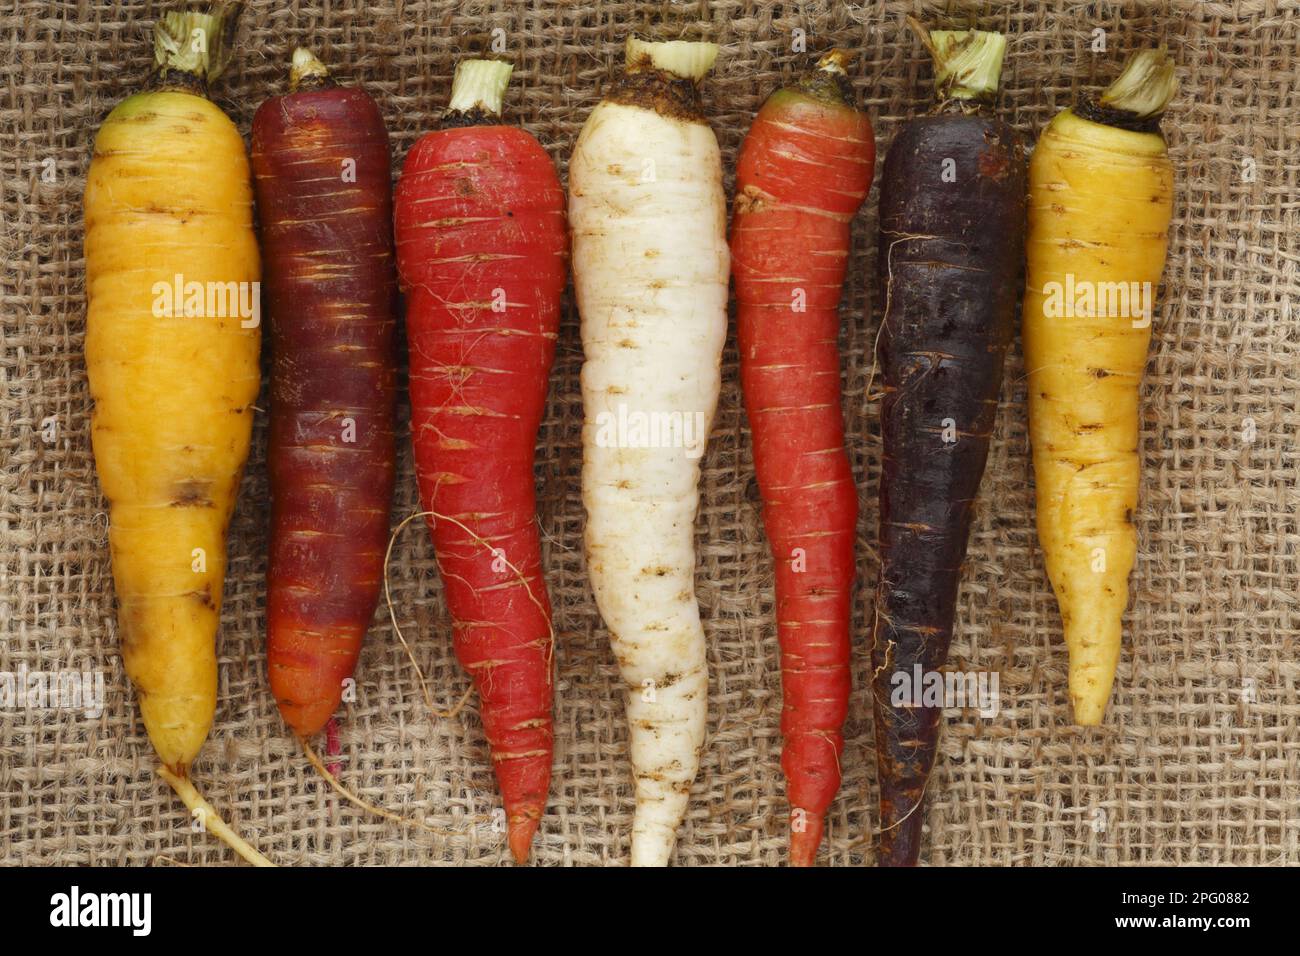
(952, 228)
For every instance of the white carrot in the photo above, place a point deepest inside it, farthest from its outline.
(650, 267)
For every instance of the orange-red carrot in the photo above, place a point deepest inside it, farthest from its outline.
(804, 170)
(482, 255)
(324, 196)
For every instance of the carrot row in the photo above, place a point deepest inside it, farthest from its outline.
(478, 240)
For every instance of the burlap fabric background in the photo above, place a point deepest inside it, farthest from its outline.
(1199, 761)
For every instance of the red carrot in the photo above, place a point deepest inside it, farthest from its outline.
(482, 255)
(321, 166)
(804, 170)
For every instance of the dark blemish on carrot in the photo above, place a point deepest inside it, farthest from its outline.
(191, 494)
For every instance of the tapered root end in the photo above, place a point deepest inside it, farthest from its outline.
(306, 699)
(900, 844)
(652, 846)
(805, 838)
(520, 830)
(1092, 673)
(307, 720)
(308, 688)
(1089, 713)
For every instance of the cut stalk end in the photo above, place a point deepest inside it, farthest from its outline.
(211, 820)
(479, 85)
(690, 61)
(829, 82)
(306, 70)
(194, 44)
(1145, 85)
(834, 61)
(967, 63)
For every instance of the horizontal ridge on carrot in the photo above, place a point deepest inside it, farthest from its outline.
(1101, 200)
(172, 340)
(804, 170)
(324, 195)
(952, 226)
(482, 254)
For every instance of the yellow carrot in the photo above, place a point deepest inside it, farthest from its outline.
(172, 344)
(1100, 203)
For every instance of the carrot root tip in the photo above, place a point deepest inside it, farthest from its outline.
(520, 830)
(805, 837)
(900, 844)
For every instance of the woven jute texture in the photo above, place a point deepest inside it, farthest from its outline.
(1199, 758)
